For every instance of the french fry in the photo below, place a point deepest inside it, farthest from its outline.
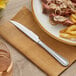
(63, 30)
(73, 19)
(71, 30)
(68, 36)
(74, 16)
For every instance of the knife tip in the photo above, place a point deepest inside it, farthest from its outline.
(11, 21)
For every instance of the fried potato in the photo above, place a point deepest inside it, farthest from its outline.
(68, 36)
(69, 32)
(63, 30)
(73, 16)
(73, 19)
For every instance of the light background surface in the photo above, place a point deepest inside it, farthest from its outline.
(23, 65)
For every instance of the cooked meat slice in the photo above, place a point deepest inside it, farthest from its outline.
(71, 6)
(52, 15)
(66, 12)
(44, 1)
(59, 10)
(53, 6)
(46, 8)
(68, 22)
(59, 2)
(73, 1)
(47, 1)
(53, 22)
(63, 6)
(59, 19)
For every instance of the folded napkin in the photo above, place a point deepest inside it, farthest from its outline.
(33, 51)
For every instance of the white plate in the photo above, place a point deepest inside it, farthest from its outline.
(43, 20)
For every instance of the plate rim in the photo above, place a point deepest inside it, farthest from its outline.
(51, 35)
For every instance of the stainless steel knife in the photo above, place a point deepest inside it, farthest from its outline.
(35, 38)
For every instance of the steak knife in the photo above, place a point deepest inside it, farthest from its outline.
(36, 39)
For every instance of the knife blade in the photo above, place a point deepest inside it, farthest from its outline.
(36, 39)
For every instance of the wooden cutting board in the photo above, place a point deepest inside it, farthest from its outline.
(33, 51)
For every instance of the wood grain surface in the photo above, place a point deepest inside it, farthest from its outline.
(23, 67)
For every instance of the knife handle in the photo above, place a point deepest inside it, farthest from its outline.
(58, 57)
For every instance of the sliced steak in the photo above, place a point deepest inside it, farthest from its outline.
(59, 10)
(44, 1)
(46, 8)
(68, 22)
(73, 1)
